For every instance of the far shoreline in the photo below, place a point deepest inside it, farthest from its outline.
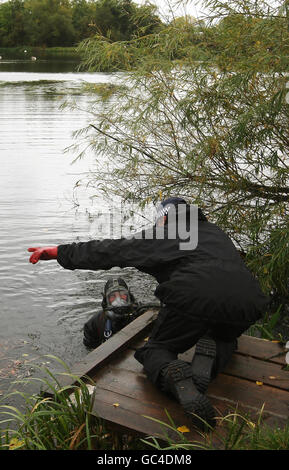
(39, 52)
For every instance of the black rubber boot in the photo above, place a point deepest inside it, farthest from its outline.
(203, 363)
(225, 351)
(211, 358)
(176, 379)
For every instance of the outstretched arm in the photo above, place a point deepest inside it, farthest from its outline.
(105, 254)
(141, 253)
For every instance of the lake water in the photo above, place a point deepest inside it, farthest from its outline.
(43, 306)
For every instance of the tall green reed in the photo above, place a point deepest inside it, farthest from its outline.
(234, 431)
(56, 418)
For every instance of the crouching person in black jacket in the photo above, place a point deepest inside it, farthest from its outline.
(208, 296)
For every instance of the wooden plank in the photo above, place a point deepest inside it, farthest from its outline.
(256, 370)
(129, 383)
(250, 395)
(124, 362)
(262, 349)
(134, 414)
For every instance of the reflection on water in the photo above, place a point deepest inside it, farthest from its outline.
(43, 306)
(38, 66)
(43, 70)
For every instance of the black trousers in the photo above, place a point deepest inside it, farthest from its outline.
(174, 333)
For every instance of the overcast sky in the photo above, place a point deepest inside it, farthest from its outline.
(170, 8)
(177, 8)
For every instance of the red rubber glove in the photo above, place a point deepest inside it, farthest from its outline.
(45, 253)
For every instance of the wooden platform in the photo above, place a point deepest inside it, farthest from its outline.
(123, 396)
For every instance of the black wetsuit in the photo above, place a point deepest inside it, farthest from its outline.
(208, 289)
(99, 327)
(93, 332)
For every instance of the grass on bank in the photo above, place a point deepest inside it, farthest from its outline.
(265, 328)
(62, 421)
(235, 431)
(65, 422)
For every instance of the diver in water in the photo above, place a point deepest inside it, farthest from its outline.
(119, 308)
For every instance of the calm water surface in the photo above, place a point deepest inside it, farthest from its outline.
(43, 306)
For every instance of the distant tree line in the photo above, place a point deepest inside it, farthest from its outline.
(53, 23)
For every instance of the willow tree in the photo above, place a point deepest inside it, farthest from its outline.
(214, 131)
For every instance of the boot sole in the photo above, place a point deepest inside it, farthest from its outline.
(203, 362)
(195, 405)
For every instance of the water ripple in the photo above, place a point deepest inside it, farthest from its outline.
(44, 306)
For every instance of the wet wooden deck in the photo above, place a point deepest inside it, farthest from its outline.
(124, 397)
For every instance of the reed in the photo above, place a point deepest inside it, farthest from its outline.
(60, 421)
(234, 431)
(266, 327)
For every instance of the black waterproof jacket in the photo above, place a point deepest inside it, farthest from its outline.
(210, 281)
